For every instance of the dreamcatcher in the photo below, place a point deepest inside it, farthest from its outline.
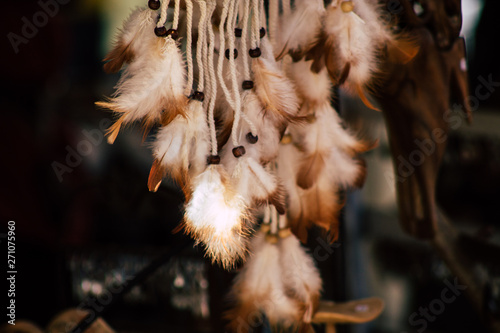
(241, 92)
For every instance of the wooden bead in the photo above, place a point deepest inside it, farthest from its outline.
(238, 32)
(213, 159)
(239, 151)
(262, 32)
(265, 228)
(347, 6)
(252, 138)
(161, 31)
(199, 96)
(247, 85)
(173, 33)
(235, 54)
(154, 4)
(255, 53)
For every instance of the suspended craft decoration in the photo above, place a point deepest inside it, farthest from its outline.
(241, 92)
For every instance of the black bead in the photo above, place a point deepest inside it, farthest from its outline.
(247, 85)
(238, 32)
(154, 4)
(173, 33)
(235, 54)
(239, 151)
(199, 96)
(262, 32)
(252, 138)
(255, 53)
(213, 159)
(161, 31)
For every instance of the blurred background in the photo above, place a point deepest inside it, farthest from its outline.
(85, 218)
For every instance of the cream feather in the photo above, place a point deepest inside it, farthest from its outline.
(217, 217)
(136, 32)
(300, 275)
(151, 87)
(300, 28)
(259, 287)
(313, 88)
(182, 146)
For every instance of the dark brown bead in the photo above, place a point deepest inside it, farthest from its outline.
(161, 31)
(213, 159)
(199, 96)
(237, 32)
(247, 85)
(254, 53)
(154, 4)
(173, 33)
(235, 54)
(262, 32)
(252, 138)
(239, 151)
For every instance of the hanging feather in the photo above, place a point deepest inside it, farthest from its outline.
(259, 288)
(275, 92)
(135, 33)
(151, 87)
(181, 148)
(300, 28)
(326, 143)
(300, 276)
(217, 217)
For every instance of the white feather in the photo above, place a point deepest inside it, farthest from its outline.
(311, 87)
(216, 217)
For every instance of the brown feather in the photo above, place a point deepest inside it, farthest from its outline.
(310, 169)
(117, 57)
(364, 99)
(156, 175)
(402, 49)
(344, 73)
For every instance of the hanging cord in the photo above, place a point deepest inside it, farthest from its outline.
(213, 80)
(222, 48)
(175, 23)
(244, 40)
(234, 77)
(273, 20)
(255, 36)
(163, 13)
(286, 7)
(200, 45)
(189, 55)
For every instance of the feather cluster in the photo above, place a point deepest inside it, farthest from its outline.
(244, 120)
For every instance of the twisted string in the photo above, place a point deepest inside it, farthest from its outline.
(163, 13)
(175, 23)
(189, 55)
(213, 80)
(200, 45)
